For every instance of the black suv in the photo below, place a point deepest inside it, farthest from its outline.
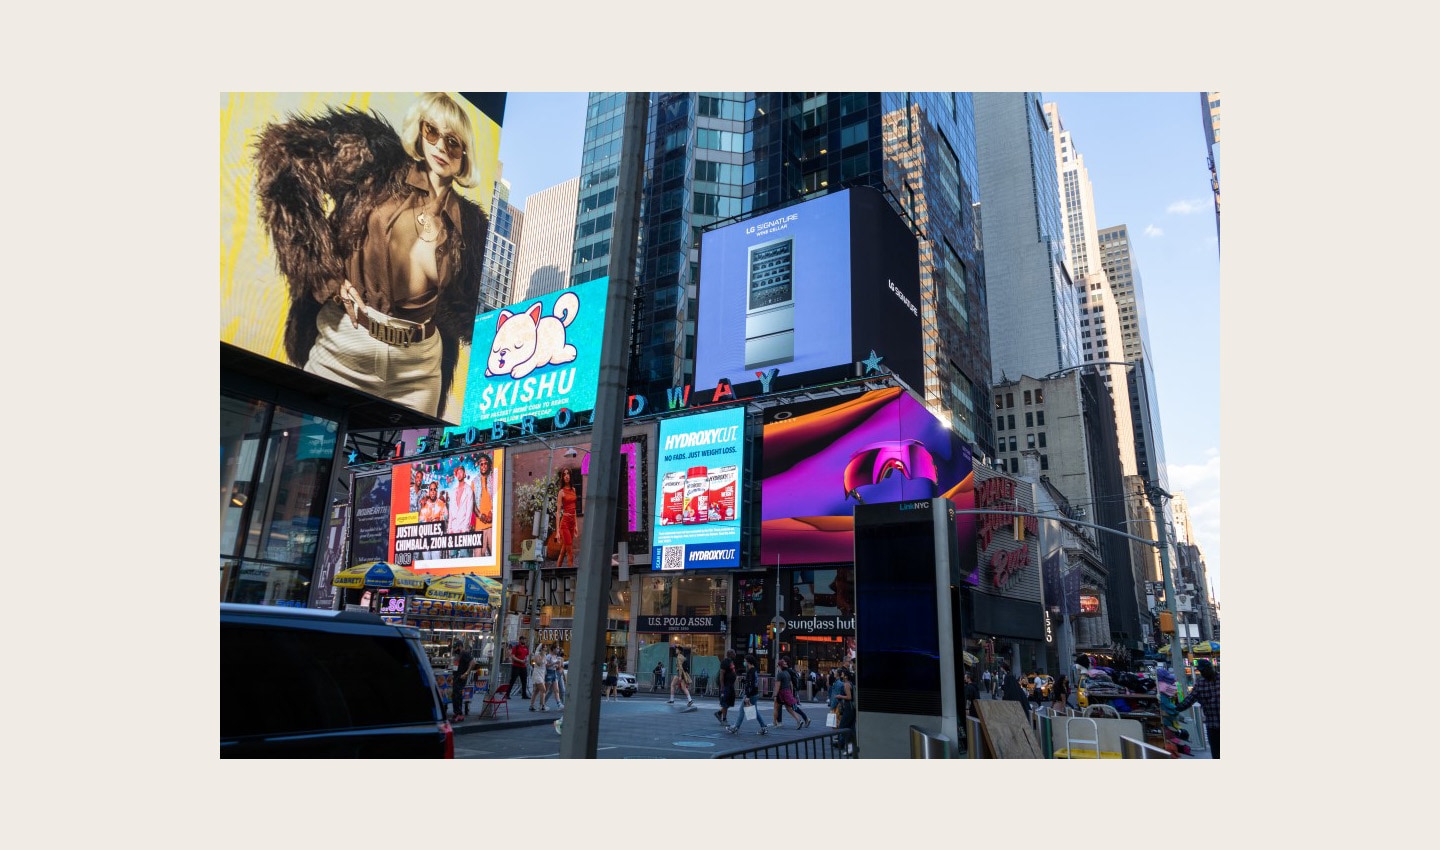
(306, 683)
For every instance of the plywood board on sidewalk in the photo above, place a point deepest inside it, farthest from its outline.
(1008, 733)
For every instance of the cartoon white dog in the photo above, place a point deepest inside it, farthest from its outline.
(525, 341)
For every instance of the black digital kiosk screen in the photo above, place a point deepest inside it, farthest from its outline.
(898, 642)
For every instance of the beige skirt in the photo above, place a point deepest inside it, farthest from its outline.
(408, 375)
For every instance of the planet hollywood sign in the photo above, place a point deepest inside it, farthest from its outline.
(999, 493)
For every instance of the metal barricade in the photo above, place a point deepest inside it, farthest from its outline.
(1202, 740)
(1133, 749)
(974, 742)
(924, 745)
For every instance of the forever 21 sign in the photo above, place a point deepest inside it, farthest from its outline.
(705, 623)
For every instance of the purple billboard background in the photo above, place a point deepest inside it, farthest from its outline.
(821, 288)
(874, 439)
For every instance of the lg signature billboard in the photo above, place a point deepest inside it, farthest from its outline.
(810, 290)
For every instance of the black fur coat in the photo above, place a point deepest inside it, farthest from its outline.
(318, 178)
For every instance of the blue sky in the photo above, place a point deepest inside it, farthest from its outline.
(1146, 158)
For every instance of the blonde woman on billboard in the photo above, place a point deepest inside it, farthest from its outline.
(382, 256)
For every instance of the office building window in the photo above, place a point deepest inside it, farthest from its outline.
(999, 423)
(1039, 396)
(1044, 461)
(1042, 439)
(1011, 419)
(1009, 399)
(1027, 397)
(1029, 441)
(999, 402)
(1014, 464)
(1040, 418)
(1029, 420)
(1014, 444)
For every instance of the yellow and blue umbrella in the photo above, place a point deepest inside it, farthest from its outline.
(378, 574)
(465, 588)
(1206, 647)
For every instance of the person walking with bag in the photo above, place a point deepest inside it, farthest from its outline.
(750, 686)
(785, 697)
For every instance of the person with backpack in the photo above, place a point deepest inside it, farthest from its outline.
(785, 697)
(681, 676)
(659, 673)
(750, 687)
(727, 687)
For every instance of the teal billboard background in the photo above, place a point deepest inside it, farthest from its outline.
(536, 356)
(698, 526)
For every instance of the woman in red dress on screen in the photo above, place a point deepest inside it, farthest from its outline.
(567, 504)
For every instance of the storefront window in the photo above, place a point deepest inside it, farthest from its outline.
(290, 497)
(685, 595)
(264, 584)
(275, 467)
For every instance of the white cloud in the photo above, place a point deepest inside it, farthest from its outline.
(1201, 485)
(1152, 230)
(1186, 207)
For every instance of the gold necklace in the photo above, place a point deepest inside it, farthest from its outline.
(425, 226)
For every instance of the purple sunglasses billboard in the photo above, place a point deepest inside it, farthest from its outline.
(820, 459)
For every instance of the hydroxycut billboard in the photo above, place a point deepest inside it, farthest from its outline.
(537, 356)
(699, 491)
(799, 295)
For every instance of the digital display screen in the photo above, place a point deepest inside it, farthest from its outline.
(821, 459)
(537, 356)
(290, 171)
(897, 640)
(699, 491)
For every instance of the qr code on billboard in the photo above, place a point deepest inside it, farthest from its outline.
(672, 557)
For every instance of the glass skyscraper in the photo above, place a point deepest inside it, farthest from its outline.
(716, 156)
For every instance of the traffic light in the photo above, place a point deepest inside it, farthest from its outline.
(1167, 623)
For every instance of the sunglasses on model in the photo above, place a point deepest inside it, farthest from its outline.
(453, 145)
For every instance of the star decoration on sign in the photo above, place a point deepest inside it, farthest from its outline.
(353, 454)
(872, 363)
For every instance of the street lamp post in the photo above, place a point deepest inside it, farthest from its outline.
(1177, 660)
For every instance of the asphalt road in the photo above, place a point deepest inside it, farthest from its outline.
(641, 727)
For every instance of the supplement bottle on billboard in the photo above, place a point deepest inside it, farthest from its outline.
(721, 497)
(672, 504)
(697, 495)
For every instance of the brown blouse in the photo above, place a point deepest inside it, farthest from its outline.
(383, 266)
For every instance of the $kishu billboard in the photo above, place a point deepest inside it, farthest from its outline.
(699, 491)
(820, 459)
(810, 290)
(338, 254)
(537, 356)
